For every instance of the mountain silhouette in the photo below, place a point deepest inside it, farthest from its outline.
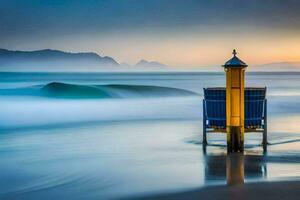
(42, 59)
(145, 63)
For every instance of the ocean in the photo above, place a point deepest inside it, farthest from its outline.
(114, 135)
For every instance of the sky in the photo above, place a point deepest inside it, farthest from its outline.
(181, 33)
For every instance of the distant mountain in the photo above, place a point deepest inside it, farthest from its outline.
(152, 64)
(278, 66)
(49, 60)
(124, 64)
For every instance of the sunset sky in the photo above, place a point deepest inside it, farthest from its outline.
(175, 32)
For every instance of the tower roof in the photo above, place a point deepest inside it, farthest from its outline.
(235, 62)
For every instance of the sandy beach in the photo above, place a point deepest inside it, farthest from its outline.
(264, 190)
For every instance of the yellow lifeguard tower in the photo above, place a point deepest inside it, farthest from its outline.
(235, 109)
(235, 79)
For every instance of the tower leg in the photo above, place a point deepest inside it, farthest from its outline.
(235, 141)
(265, 133)
(204, 140)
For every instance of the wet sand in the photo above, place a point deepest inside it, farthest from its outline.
(263, 190)
(234, 168)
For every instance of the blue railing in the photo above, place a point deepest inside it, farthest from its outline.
(214, 107)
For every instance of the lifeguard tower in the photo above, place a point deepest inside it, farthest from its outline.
(235, 110)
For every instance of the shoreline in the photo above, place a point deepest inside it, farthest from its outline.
(259, 191)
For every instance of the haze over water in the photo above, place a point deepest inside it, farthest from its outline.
(102, 99)
(118, 141)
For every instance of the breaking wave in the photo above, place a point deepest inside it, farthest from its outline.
(71, 103)
(64, 90)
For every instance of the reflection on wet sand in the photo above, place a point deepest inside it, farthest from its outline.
(234, 167)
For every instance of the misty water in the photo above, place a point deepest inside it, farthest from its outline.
(112, 135)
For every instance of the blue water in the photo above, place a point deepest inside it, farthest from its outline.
(141, 137)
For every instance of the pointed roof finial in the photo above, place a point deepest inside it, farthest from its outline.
(235, 62)
(234, 52)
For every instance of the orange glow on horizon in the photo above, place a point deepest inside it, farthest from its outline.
(191, 50)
